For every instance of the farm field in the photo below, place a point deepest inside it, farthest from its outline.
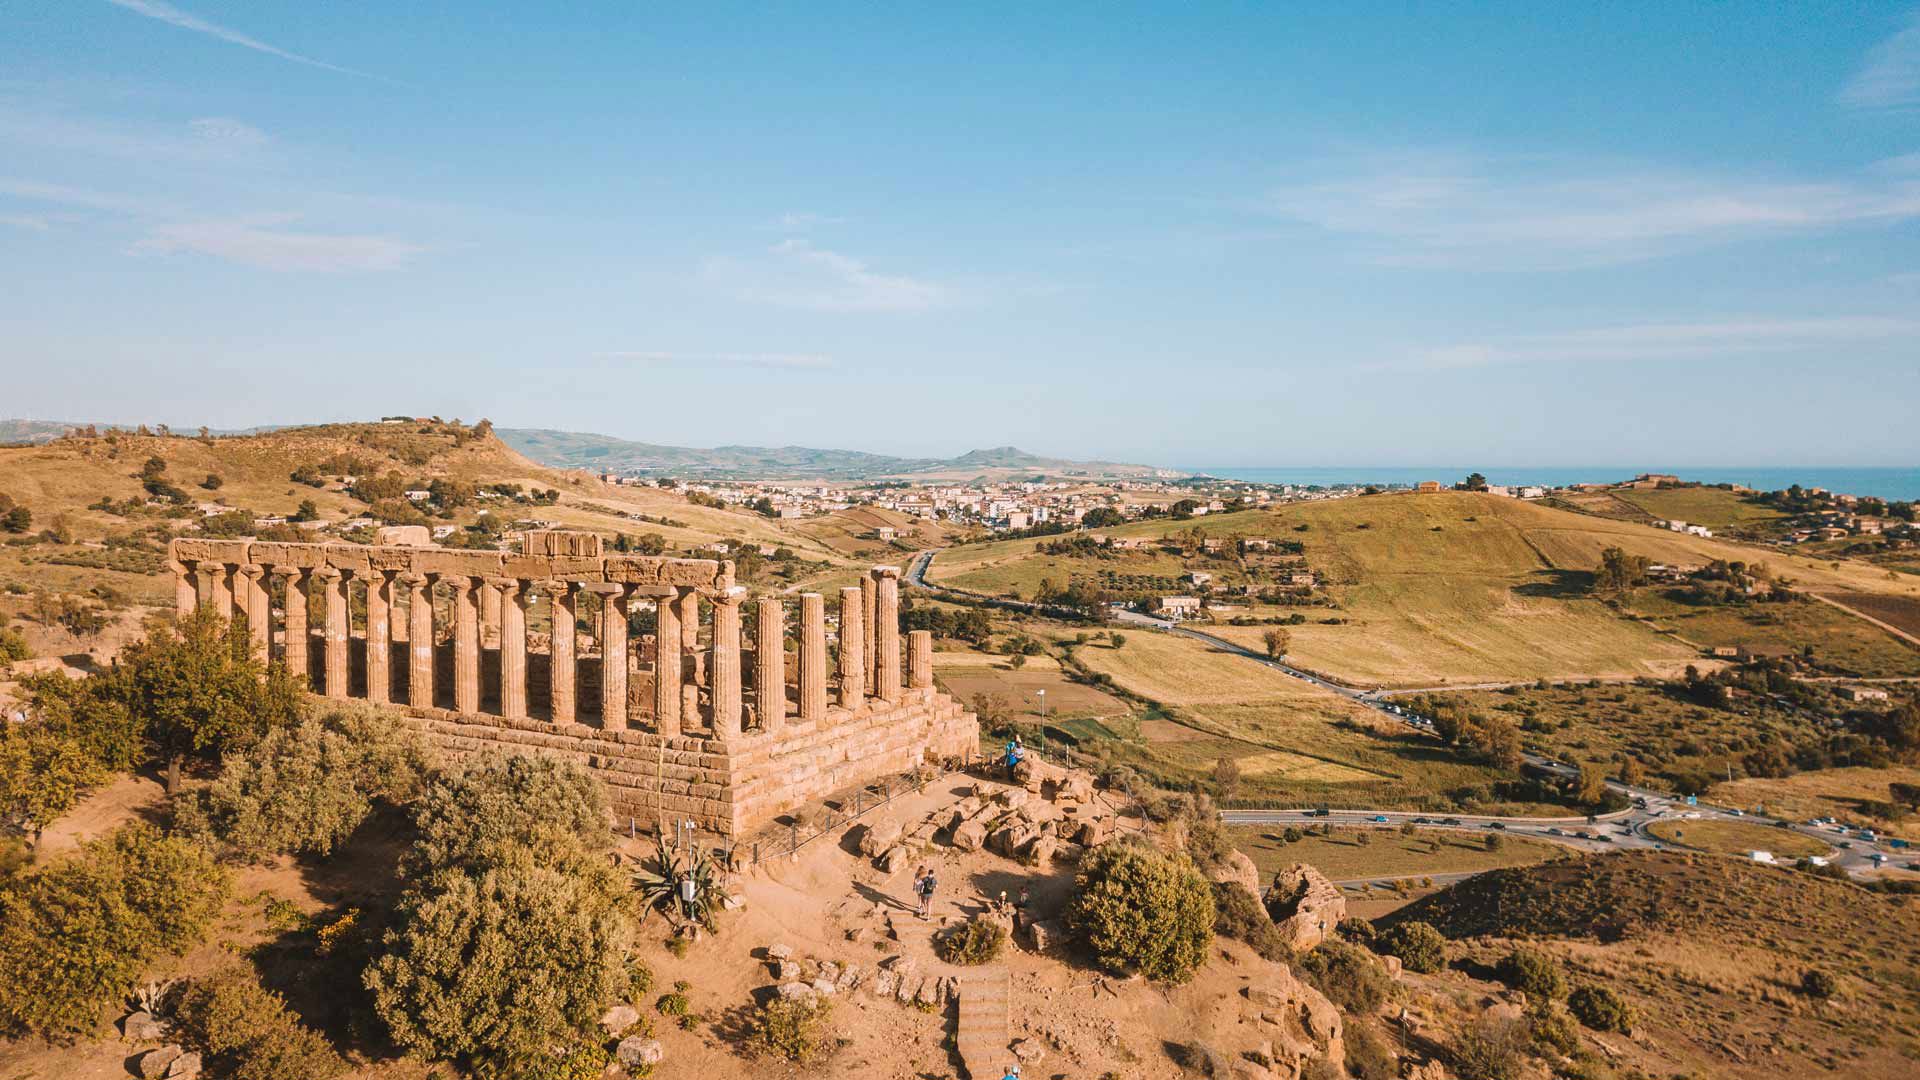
(1673, 738)
(1845, 794)
(1902, 612)
(1454, 587)
(1387, 852)
(1737, 838)
(1296, 744)
(1841, 643)
(1716, 508)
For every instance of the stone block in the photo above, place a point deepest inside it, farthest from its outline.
(970, 835)
(618, 1019)
(1049, 935)
(154, 1063)
(561, 542)
(403, 536)
(879, 836)
(638, 1052)
(143, 1027)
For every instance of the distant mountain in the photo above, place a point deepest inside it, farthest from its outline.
(605, 453)
(32, 431)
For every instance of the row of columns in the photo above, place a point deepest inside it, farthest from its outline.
(869, 660)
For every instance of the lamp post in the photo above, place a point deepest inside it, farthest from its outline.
(1043, 717)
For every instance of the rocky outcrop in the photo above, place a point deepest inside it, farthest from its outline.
(1238, 868)
(1301, 1024)
(1305, 906)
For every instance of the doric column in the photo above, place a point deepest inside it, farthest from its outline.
(259, 609)
(919, 659)
(489, 614)
(886, 632)
(871, 668)
(560, 649)
(419, 640)
(379, 637)
(687, 608)
(513, 646)
(613, 656)
(813, 658)
(216, 591)
(769, 664)
(726, 662)
(853, 649)
(666, 666)
(466, 645)
(333, 591)
(294, 608)
(186, 596)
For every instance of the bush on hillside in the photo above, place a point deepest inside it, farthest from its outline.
(1239, 915)
(798, 1029)
(13, 646)
(1816, 983)
(1369, 1055)
(471, 817)
(492, 964)
(247, 1033)
(1139, 909)
(976, 941)
(1552, 1028)
(75, 934)
(1533, 972)
(1349, 976)
(42, 775)
(1418, 945)
(1357, 930)
(303, 789)
(1490, 1050)
(1600, 1009)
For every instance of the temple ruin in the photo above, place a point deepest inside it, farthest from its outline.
(689, 722)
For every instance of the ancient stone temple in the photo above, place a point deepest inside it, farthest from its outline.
(538, 650)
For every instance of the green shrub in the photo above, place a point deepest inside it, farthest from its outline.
(1419, 946)
(497, 803)
(246, 1032)
(1239, 914)
(304, 788)
(1601, 1009)
(1139, 909)
(1349, 976)
(1816, 983)
(1369, 1057)
(1357, 930)
(13, 646)
(1533, 973)
(75, 934)
(977, 941)
(798, 1029)
(1490, 1050)
(1552, 1028)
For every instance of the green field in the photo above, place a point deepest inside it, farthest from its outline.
(1296, 744)
(1386, 852)
(1448, 588)
(1737, 838)
(1716, 508)
(1842, 644)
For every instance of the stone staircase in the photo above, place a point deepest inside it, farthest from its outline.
(983, 1032)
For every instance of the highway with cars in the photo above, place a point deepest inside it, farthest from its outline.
(1853, 849)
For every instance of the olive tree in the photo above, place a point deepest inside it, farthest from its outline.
(1141, 909)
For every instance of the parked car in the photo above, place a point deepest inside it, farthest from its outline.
(1379, 819)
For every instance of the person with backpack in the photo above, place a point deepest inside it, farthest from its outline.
(1014, 753)
(925, 886)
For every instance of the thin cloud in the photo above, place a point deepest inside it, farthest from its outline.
(1890, 76)
(1666, 341)
(64, 195)
(227, 131)
(796, 274)
(774, 361)
(1458, 210)
(173, 16)
(261, 242)
(24, 221)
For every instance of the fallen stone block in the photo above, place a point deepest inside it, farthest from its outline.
(618, 1019)
(639, 1051)
(154, 1063)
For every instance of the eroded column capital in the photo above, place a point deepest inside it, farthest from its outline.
(328, 573)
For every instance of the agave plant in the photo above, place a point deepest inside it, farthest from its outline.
(154, 997)
(663, 884)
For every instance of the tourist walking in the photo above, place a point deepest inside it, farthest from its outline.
(925, 887)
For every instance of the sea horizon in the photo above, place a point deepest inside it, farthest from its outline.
(1884, 482)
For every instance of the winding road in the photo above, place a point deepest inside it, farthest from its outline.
(1623, 829)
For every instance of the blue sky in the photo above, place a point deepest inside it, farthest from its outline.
(1199, 234)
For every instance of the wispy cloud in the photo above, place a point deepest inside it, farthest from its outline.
(226, 130)
(24, 221)
(265, 243)
(776, 361)
(796, 274)
(1890, 76)
(66, 195)
(1525, 212)
(1731, 338)
(173, 16)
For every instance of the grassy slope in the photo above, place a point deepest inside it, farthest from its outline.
(1838, 793)
(1842, 644)
(1387, 852)
(1713, 507)
(1709, 951)
(1737, 838)
(1435, 597)
(62, 478)
(1296, 744)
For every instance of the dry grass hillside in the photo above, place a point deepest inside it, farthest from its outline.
(1454, 587)
(106, 539)
(1711, 953)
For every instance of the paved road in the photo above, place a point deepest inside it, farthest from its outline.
(1625, 830)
